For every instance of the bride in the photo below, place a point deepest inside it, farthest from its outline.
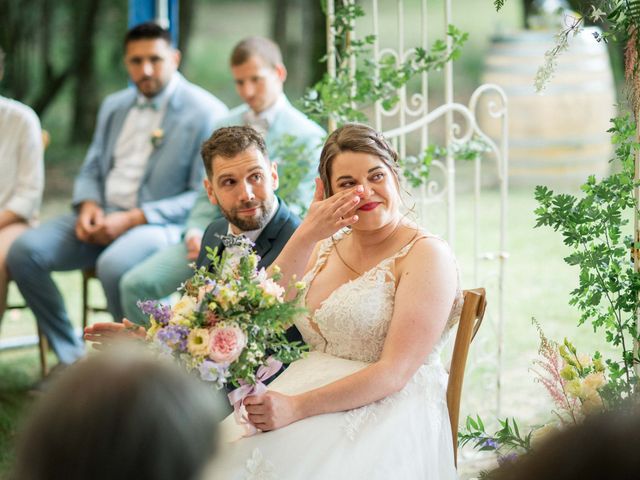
(369, 400)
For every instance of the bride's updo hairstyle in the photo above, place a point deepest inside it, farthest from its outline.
(359, 138)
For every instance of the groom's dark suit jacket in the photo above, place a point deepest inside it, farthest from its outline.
(268, 245)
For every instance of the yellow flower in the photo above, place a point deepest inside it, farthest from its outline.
(227, 297)
(183, 311)
(198, 342)
(300, 285)
(585, 360)
(593, 382)
(592, 403)
(568, 373)
(155, 326)
(540, 434)
(598, 365)
(574, 387)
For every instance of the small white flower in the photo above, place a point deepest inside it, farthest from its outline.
(596, 14)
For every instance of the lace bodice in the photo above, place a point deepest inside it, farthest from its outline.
(354, 319)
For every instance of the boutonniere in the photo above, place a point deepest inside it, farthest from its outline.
(157, 137)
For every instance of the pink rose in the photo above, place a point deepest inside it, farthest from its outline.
(226, 343)
(211, 318)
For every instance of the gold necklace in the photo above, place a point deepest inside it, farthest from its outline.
(335, 246)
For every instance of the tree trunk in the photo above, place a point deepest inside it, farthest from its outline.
(279, 26)
(185, 21)
(526, 11)
(85, 91)
(314, 45)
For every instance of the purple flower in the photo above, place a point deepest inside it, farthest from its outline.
(508, 458)
(174, 337)
(161, 313)
(490, 443)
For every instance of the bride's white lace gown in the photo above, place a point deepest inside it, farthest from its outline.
(404, 436)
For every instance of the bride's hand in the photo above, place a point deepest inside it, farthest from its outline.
(271, 410)
(326, 216)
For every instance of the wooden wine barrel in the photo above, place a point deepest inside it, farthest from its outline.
(559, 137)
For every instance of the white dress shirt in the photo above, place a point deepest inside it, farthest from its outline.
(139, 136)
(262, 121)
(21, 159)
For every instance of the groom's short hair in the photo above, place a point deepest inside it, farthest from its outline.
(228, 142)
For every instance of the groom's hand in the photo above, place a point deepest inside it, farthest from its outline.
(104, 334)
(272, 410)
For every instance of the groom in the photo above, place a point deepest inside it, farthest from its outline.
(240, 180)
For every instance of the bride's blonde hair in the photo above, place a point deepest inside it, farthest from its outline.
(359, 138)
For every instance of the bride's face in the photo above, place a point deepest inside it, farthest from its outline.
(380, 200)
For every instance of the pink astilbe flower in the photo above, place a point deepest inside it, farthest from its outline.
(548, 374)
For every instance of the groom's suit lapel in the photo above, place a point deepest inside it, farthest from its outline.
(269, 236)
(221, 228)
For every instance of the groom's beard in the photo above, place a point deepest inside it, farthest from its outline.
(255, 222)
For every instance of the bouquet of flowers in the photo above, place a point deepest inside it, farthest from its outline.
(229, 325)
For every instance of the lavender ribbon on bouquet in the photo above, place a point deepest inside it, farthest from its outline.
(236, 397)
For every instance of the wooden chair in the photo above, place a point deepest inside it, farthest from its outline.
(88, 275)
(470, 320)
(43, 343)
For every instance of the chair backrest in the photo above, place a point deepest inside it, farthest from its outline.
(470, 320)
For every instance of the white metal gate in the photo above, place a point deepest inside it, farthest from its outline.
(408, 124)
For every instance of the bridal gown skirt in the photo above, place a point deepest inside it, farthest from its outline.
(404, 436)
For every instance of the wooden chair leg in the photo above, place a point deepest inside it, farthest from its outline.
(85, 298)
(43, 345)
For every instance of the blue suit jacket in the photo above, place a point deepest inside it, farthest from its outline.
(174, 171)
(288, 121)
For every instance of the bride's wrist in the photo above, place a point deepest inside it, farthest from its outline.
(300, 412)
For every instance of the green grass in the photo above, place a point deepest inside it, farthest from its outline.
(18, 370)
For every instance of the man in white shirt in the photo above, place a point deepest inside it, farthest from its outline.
(137, 184)
(259, 75)
(22, 179)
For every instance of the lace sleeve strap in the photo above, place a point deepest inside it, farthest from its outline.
(407, 248)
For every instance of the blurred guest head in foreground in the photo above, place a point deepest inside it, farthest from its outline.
(122, 414)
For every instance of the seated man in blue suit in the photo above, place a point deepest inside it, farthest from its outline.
(259, 74)
(241, 181)
(136, 187)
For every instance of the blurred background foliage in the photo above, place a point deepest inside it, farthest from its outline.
(65, 56)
